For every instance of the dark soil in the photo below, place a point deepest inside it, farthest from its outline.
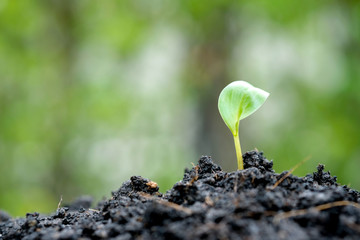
(207, 204)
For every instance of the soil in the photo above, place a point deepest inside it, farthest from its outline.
(207, 204)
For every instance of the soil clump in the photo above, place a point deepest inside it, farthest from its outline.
(207, 203)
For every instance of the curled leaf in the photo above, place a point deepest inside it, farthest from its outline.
(238, 100)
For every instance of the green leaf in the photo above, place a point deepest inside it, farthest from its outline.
(238, 100)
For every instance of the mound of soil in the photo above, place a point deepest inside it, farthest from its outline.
(207, 204)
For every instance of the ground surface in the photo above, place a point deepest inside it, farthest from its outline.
(207, 204)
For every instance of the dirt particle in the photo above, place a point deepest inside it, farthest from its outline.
(152, 184)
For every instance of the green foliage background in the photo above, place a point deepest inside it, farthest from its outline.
(92, 93)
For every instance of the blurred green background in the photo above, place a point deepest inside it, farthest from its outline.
(92, 93)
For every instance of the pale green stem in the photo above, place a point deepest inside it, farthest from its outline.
(238, 152)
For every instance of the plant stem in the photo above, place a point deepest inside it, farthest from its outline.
(238, 152)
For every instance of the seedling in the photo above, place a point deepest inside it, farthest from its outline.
(238, 100)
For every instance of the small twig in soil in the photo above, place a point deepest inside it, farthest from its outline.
(166, 203)
(290, 172)
(94, 210)
(195, 178)
(236, 184)
(59, 202)
(353, 226)
(175, 206)
(322, 207)
(253, 176)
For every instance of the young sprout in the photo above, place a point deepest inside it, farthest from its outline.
(238, 100)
